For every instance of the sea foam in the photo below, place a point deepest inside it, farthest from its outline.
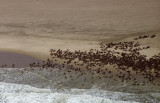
(34, 86)
(18, 93)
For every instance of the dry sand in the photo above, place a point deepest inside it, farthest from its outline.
(34, 27)
(38, 47)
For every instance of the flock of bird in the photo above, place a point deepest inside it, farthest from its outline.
(111, 60)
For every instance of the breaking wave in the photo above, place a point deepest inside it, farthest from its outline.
(17, 93)
(36, 86)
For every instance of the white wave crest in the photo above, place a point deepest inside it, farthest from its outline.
(18, 93)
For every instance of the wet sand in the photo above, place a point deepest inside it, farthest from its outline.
(8, 59)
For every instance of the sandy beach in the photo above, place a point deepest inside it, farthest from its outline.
(35, 27)
(108, 51)
(39, 47)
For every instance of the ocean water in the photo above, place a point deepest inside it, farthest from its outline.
(39, 86)
(16, 93)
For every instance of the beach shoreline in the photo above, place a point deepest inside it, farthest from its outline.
(15, 60)
(39, 48)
